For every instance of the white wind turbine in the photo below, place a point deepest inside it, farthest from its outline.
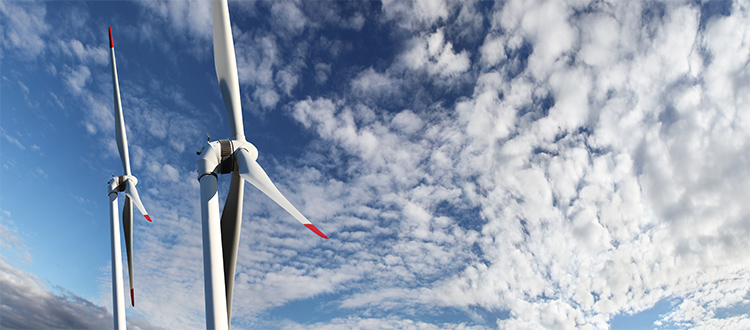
(124, 183)
(236, 156)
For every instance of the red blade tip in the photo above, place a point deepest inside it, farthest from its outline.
(316, 230)
(132, 297)
(147, 217)
(111, 45)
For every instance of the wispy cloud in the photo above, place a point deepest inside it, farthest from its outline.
(12, 140)
(10, 240)
(84, 53)
(190, 18)
(24, 28)
(415, 15)
(77, 78)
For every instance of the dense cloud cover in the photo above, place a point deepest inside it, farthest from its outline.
(519, 164)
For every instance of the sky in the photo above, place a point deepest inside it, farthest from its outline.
(512, 164)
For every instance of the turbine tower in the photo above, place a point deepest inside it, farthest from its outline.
(221, 234)
(124, 183)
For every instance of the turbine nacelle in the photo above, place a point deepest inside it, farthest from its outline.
(239, 157)
(219, 156)
(126, 184)
(120, 182)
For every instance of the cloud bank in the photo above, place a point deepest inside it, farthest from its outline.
(27, 303)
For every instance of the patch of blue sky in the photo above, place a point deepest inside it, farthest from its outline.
(645, 319)
(32, 174)
(739, 309)
(324, 308)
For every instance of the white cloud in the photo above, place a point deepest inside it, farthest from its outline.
(589, 203)
(24, 27)
(185, 17)
(407, 122)
(356, 322)
(570, 89)
(266, 97)
(492, 51)
(286, 81)
(376, 85)
(727, 74)
(599, 42)
(24, 89)
(84, 53)
(322, 72)
(168, 173)
(415, 14)
(469, 25)
(10, 240)
(13, 140)
(257, 60)
(356, 22)
(435, 55)
(98, 116)
(545, 23)
(288, 17)
(76, 79)
(156, 117)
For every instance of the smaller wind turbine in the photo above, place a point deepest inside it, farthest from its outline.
(124, 183)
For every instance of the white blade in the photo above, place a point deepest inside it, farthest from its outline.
(226, 68)
(255, 175)
(131, 192)
(122, 139)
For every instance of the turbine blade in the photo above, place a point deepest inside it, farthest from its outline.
(253, 173)
(122, 139)
(127, 226)
(226, 68)
(231, 221)
(131, 192)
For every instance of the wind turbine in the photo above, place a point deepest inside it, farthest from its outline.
(236, 156)
(124, 183)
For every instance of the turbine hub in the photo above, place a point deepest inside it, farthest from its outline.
(217, 157)
(118, 182)
(226, 164)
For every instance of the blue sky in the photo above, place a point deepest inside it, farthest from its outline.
(511, 164)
